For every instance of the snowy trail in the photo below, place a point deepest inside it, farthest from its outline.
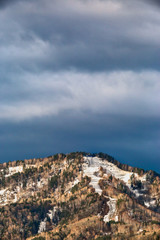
(112, 210)
(90, 169)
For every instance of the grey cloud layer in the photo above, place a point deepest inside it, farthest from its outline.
(39, 95)
(84, 35)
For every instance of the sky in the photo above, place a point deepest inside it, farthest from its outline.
(80, 75)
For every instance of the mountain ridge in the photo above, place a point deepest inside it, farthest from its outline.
(51, 196)
(110, 158)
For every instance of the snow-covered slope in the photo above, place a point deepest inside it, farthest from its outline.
(91, 168)
(93, 164)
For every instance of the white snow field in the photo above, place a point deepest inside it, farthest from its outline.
(91, 169)
(92, 165)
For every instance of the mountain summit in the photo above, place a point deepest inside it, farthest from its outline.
(78, 196)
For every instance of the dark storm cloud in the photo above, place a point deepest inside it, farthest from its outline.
(113, 112)
(80, 75)
(6, 3)
(114, 134)
(157, 2)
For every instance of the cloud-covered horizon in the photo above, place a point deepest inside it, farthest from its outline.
(87, 69)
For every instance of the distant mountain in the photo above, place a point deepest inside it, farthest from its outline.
(78, 196)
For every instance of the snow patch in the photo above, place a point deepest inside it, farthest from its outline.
(52, 213)
(150, 203)
(136, 192)
(2, 191)
(76, 181)
(140, 230)
(70, 185)
(42, 226)
(41, 183)
(112, 211)
(13, 170)
(4, 196)
(91, 169)
(8, 196)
